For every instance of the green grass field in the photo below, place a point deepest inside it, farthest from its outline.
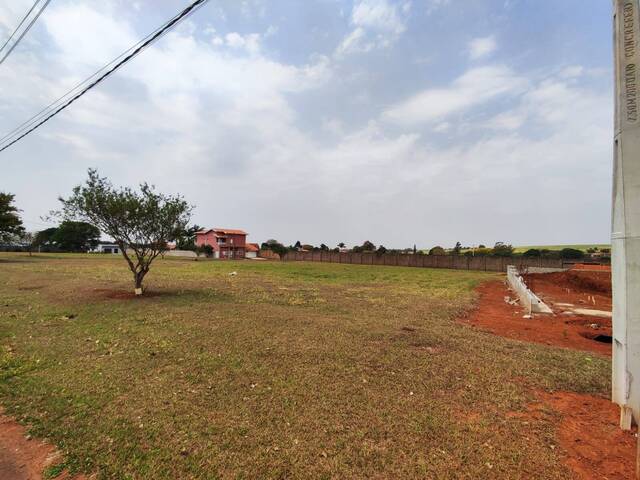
(583, 247)
(286, 370)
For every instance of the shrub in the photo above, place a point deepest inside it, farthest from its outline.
(437, 251)
(205, 249)
(502, 250)
(571, 254)
(532, 252)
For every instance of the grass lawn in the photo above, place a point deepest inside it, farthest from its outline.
(583, 247)
(286, 370)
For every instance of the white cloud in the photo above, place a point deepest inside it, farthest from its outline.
(376, 24)
(476, 86)
(482, 47)
(250, 42)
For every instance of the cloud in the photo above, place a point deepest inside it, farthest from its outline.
(250, 42)
(482, 47)
(401, 154)
(475, 87)
(376, 24)
(433, 5)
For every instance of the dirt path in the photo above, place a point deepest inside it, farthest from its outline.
(22, 458)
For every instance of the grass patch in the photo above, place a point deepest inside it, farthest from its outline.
(285, 370)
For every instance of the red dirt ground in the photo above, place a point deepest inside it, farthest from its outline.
(570, 331)
(25, 459)
(591, 442)
(593, 446)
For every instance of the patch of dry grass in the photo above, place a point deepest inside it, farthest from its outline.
(286, 370)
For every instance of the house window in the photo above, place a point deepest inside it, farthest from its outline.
(221, 241)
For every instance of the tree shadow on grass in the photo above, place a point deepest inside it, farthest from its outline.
(170, 294)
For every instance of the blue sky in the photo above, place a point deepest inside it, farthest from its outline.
(411, 122)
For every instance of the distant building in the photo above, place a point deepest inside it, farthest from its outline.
(226, 243)
(105, 247)
(252, 250)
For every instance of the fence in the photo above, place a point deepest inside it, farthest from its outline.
(489, 264)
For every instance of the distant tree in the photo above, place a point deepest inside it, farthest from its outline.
(456, 250)
(437, 251)
(368, 246)
(571, 254)
(381, 249)
(481, 246)
(415, 250)
(10, 222)
(532, 252)
(140, 221)
(27, 240)
(186, 239)
(275, 246)
(44, 238)
(298, 245)
(324, 248)
(341, 245)
(502, 250)
(205, 249)
(76, 236)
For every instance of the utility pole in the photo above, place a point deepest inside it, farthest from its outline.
(625, 232)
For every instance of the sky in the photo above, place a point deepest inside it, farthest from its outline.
(406, 122)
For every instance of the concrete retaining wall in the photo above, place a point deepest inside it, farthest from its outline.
(529, 300)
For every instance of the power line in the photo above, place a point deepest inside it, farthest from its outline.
(20, 24)
(42, 113)
(42, 117)
(25, 30)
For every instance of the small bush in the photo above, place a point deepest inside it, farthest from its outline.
(571, 254)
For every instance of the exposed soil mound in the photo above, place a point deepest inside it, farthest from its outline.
(592, 443)
(580, 280)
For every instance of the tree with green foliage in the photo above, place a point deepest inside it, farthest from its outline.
(186, 240)
(10, 222)
(381, 249)
(341, 245)
(532, 252)
(76, 236)
(44, 238)
(437, 250)
(571, 254)
(324, 247)
(501, 249)
(274, 246)
(139, 222)
(456, 250)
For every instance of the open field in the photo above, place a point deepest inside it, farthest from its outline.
(286, 370)
(583, 247)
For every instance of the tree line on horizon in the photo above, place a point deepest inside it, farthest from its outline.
(500, 249)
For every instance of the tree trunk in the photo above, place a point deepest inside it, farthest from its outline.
(138, 277)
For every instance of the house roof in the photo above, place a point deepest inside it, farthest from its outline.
(223, 231)
(252, 247)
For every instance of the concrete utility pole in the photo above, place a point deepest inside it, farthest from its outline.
(625, 234)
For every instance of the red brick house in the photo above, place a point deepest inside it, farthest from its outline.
(226, 243)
